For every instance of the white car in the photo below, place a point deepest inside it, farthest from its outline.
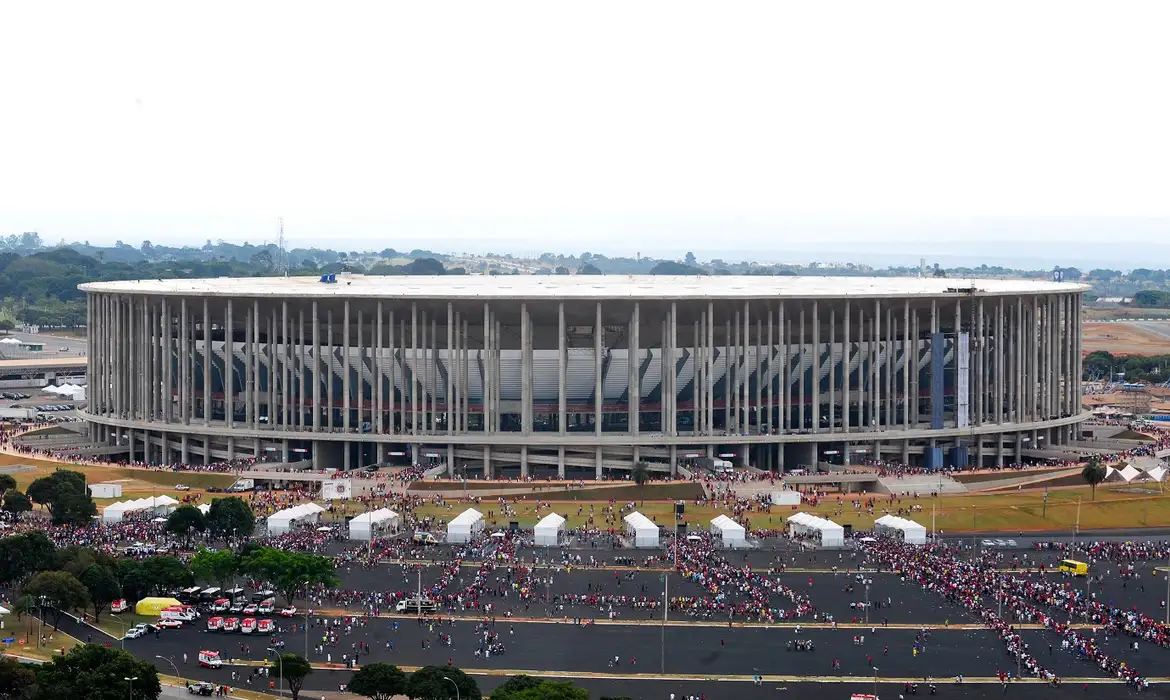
(182, 487)
(170, 624)
(288, 612)
(135, 632)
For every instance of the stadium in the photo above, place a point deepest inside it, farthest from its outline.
(542, 375)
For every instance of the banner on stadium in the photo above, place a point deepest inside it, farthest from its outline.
(337, 489)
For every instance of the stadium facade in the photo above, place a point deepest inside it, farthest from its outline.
(584, 372)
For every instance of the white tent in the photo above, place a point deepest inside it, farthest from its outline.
(1157, 474)
(642, 529)
(204, 508)
(910, 531)
(549, 530)
(786, 498)
(731, 532)
(369, 525)
(1129, 473)
(828, 532)
(10, 341)
(282, 521)
(465, 526)
(159, 506)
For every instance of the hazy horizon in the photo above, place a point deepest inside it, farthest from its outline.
(1028, 135)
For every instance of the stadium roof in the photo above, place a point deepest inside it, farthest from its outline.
(582, 287)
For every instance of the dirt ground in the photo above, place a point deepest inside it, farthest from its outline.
(1124, 339)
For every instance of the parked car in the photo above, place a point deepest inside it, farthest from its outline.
(251, 608)
(135, 632)
(288, 612)
(182, 487)
(201, 688)
(170, 624)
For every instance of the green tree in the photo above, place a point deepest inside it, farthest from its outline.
(229, 516)
(102, 586)
(378, 681)
(16, 503)
(1093, 474)
(17, 681)
(7, 483)
(430, 682)
(515, 684)
(164, 574)
(288, 572)
(95, 672)
(548, 690)
(184, 520)
(64, 494)
(23, 555)
(135, 584)
(641, 474)
(670, 267)
(293, 669)
(60, 590)
(219, 567)
(588, 269)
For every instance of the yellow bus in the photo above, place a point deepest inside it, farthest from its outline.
(1074, 567)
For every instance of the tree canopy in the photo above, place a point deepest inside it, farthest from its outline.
(23, 555)
(288, 572)
(230, 515)
(431, 682)
(64, 494)
(219, 567)
(58, 589)
(185, 519)
(102, 586)
(292, 669)
(96, 672)
(378, 681)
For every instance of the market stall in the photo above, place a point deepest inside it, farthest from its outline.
(282, 521)
(730, 532)
(826, 533)
(550, 531)
(465, 526)
(643, 530)
(908, 531)
(373, 524)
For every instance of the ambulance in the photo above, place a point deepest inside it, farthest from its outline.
(214, 624)
(183, 613)
(210, 659)
(248, 625)
(221, 605)
(119, 605)
(232, 624)
(265, 626)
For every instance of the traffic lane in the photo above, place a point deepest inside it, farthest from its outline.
(841, 595)
(591, 648)
(1146, 593)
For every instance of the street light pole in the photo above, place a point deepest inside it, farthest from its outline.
(875, 671)
(665, 611)
(449, 680)
(172, 663)
(279, 670)
(130, 689)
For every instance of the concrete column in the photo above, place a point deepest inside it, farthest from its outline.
(847, 375)
(674, 461)
(466, 384)
(815, 375)
(905, 452)
(1034, 362)
(597, 462)
(286, 392)
(980, 370)
(598, 398)
(359, 378)
(783, 380)
(185, 366)
(450, 448)
(906, 366)
(524, 461)
(561, 462)
(489, 384)
(487, 461)
(562, 380)
(498, 359)
(185, 449)
(734, 372)
(273, 373)
(875, 363)
(525, 379)
(449, 399)
(316, 446)
(890, 346)
(254, 364)
(126, 336)
(832, 353)
(635, 389)
(433, 378)
(424, 373)
(803, 355)
(412, 370)
(696, 382)
(758, 372)
(1019, 447)
(168, 367)
(379, 394)
(316, 328)
(672, 362)
(729, 368)
(1000, 386)
(768, 375)
(207, 350)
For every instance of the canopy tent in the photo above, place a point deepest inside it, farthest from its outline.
(10, 341)
(282, 521)
(1157, 474)
(731, 532)
(465, 526)
(158, 506)
(549, 530)
(369, 525)
(786, 498)
(642, 529)
(891, 525)
(829, 533)
(204, 508)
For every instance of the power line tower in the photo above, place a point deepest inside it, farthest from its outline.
(282, 253)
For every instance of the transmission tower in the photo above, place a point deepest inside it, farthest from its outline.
(282, 253)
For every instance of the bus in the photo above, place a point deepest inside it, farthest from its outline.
(1074, 567)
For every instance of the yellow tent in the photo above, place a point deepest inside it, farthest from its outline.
(154, 606)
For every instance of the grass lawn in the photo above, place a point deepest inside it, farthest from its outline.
(1013, 511)
(113, 624)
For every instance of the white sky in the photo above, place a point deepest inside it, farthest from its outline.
(530, 126)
